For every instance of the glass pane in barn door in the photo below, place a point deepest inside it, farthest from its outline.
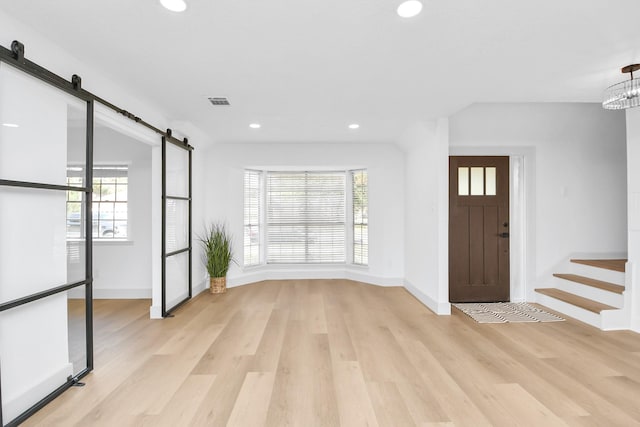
(176, 223)
(177, 171)
(177, 228)
(77, 328)
(43, 250)
(177, 271)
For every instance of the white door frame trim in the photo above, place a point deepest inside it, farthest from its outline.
(140, 133)
(521, 212)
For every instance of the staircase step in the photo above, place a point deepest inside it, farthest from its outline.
(609, 264)
(606, 286)
(578, 301)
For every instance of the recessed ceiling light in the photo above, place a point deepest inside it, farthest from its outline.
(254, 125)
(174, 5)
(354, 126)
(10, 125)
(409, 9)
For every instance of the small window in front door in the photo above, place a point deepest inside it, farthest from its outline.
(477, 181)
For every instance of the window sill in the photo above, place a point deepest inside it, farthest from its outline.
(110, 242)
(105, 242)
(326, 266)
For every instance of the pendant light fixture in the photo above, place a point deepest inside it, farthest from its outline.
(625, 94)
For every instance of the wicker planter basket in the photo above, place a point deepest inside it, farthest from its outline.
(218, 285)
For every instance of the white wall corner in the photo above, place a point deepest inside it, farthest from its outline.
(248, 278)
(200, 287)
(442, 138)
(156, 233)
(633, 213)
(155, 312)
(374, 280)
(440, 308)
(631, 299)
(413, 135)
(635, 324)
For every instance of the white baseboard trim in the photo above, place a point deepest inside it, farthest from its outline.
(380, 281)
(130, 293)
(289, 274)
(155, 312)
(440, 308)
(14, 406)
(260, 275)
(200, 287)
(635, 324)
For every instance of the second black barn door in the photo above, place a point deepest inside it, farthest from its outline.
(176, 224)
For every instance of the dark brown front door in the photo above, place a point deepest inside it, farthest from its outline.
(478, 229)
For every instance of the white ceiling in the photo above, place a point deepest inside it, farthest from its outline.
(305, 69)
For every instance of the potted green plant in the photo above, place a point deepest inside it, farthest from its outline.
(218, 256)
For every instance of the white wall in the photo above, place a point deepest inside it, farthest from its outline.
(199, 206)
(225, 164)
(633, 160)
(426, 214)
(578, 206)
(63, 62)
(122, 269)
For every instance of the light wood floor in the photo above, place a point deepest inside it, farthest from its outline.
(341, 353)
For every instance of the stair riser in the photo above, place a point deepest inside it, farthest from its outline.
(578, 313)
(615, 277)
(605, 297)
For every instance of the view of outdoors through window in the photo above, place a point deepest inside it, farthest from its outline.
(109, 208)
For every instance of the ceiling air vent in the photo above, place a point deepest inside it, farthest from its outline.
(219, 100)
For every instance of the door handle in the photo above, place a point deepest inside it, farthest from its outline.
(503, 235)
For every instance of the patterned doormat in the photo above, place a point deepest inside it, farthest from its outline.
(506, 312)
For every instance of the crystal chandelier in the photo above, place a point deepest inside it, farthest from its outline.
(625, 94)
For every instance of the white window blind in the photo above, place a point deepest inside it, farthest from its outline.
(305, 217)
(360, 184)
(252, 214)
